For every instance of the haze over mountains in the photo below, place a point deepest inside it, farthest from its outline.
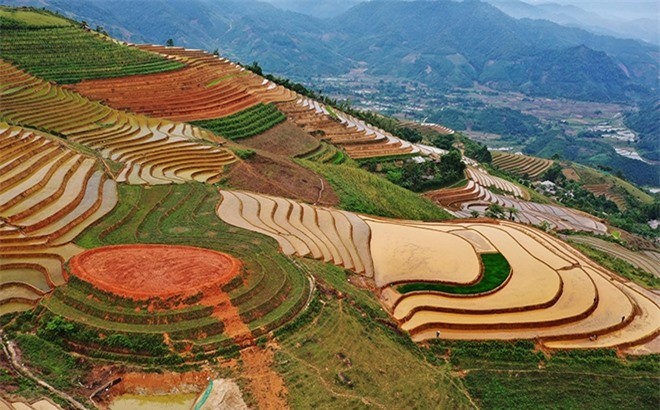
(620, 18)
(442, 44)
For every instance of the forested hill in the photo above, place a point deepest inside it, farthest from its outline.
(440, 43)
(646, 122)
(448, 42)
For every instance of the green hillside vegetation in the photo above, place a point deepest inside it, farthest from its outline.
(343, 353)
(420, 177)
(589, 176)
(646, 122)
(362, 192)
(53, 48)
(619, 266)
(31, 18)
(509, 123)
(246, 123)
(592, 153)
(505, 375)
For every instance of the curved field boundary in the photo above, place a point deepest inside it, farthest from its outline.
(474, 197)
(484, 179)
(521, 164)
(553, 292)
(605, 189)
(208, 87)
(270, 292)
(637, 259)
(357, 138)
(152, 151)
(496, 272)
(147, 270)
(48, 195)
(301, 229)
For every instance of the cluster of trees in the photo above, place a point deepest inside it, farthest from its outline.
(425, 175)
(60, 331)
(633, 219)
(501, 121)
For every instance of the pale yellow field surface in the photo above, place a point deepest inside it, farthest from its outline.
(408, 253)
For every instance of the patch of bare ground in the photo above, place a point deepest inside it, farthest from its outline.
(278, 176)
(264, 384)
(121, 381)
(285, 139)
(570, 174)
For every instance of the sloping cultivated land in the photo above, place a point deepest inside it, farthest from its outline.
(356, 138)
(521, 165)
(247, 123)
(208, 87)
(606, 190)
(151, 151)
(550, 292)
(49, 193)
(645, 260)
(476, 197)
(114, 232)
(54, 49)
(486, 180)
(203, 307)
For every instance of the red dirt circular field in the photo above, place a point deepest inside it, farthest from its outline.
(146, 271)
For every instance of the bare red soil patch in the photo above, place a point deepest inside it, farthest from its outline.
(146, 271)
(273, 175)
(285, 139)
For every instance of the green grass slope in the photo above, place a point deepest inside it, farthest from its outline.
(343, 353)
(503, 375)
(363, 192)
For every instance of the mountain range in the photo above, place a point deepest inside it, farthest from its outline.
(440, 43)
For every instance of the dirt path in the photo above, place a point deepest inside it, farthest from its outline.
(320, 191)
(10, 352)
(265, 385)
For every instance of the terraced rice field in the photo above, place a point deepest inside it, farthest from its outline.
(646, 260)
(553, 293)
(358, 139)
(325, 153)
(330, 235)
(152, 151)
(606, 189)
(208, 87)
(268, 290)
(49, 193)
(63, 53)
(247, 123)
(41, 404)
(474, 197)
(521, 165)
(486, 180)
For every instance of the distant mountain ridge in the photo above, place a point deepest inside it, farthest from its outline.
(441, 43)
(645, 28)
